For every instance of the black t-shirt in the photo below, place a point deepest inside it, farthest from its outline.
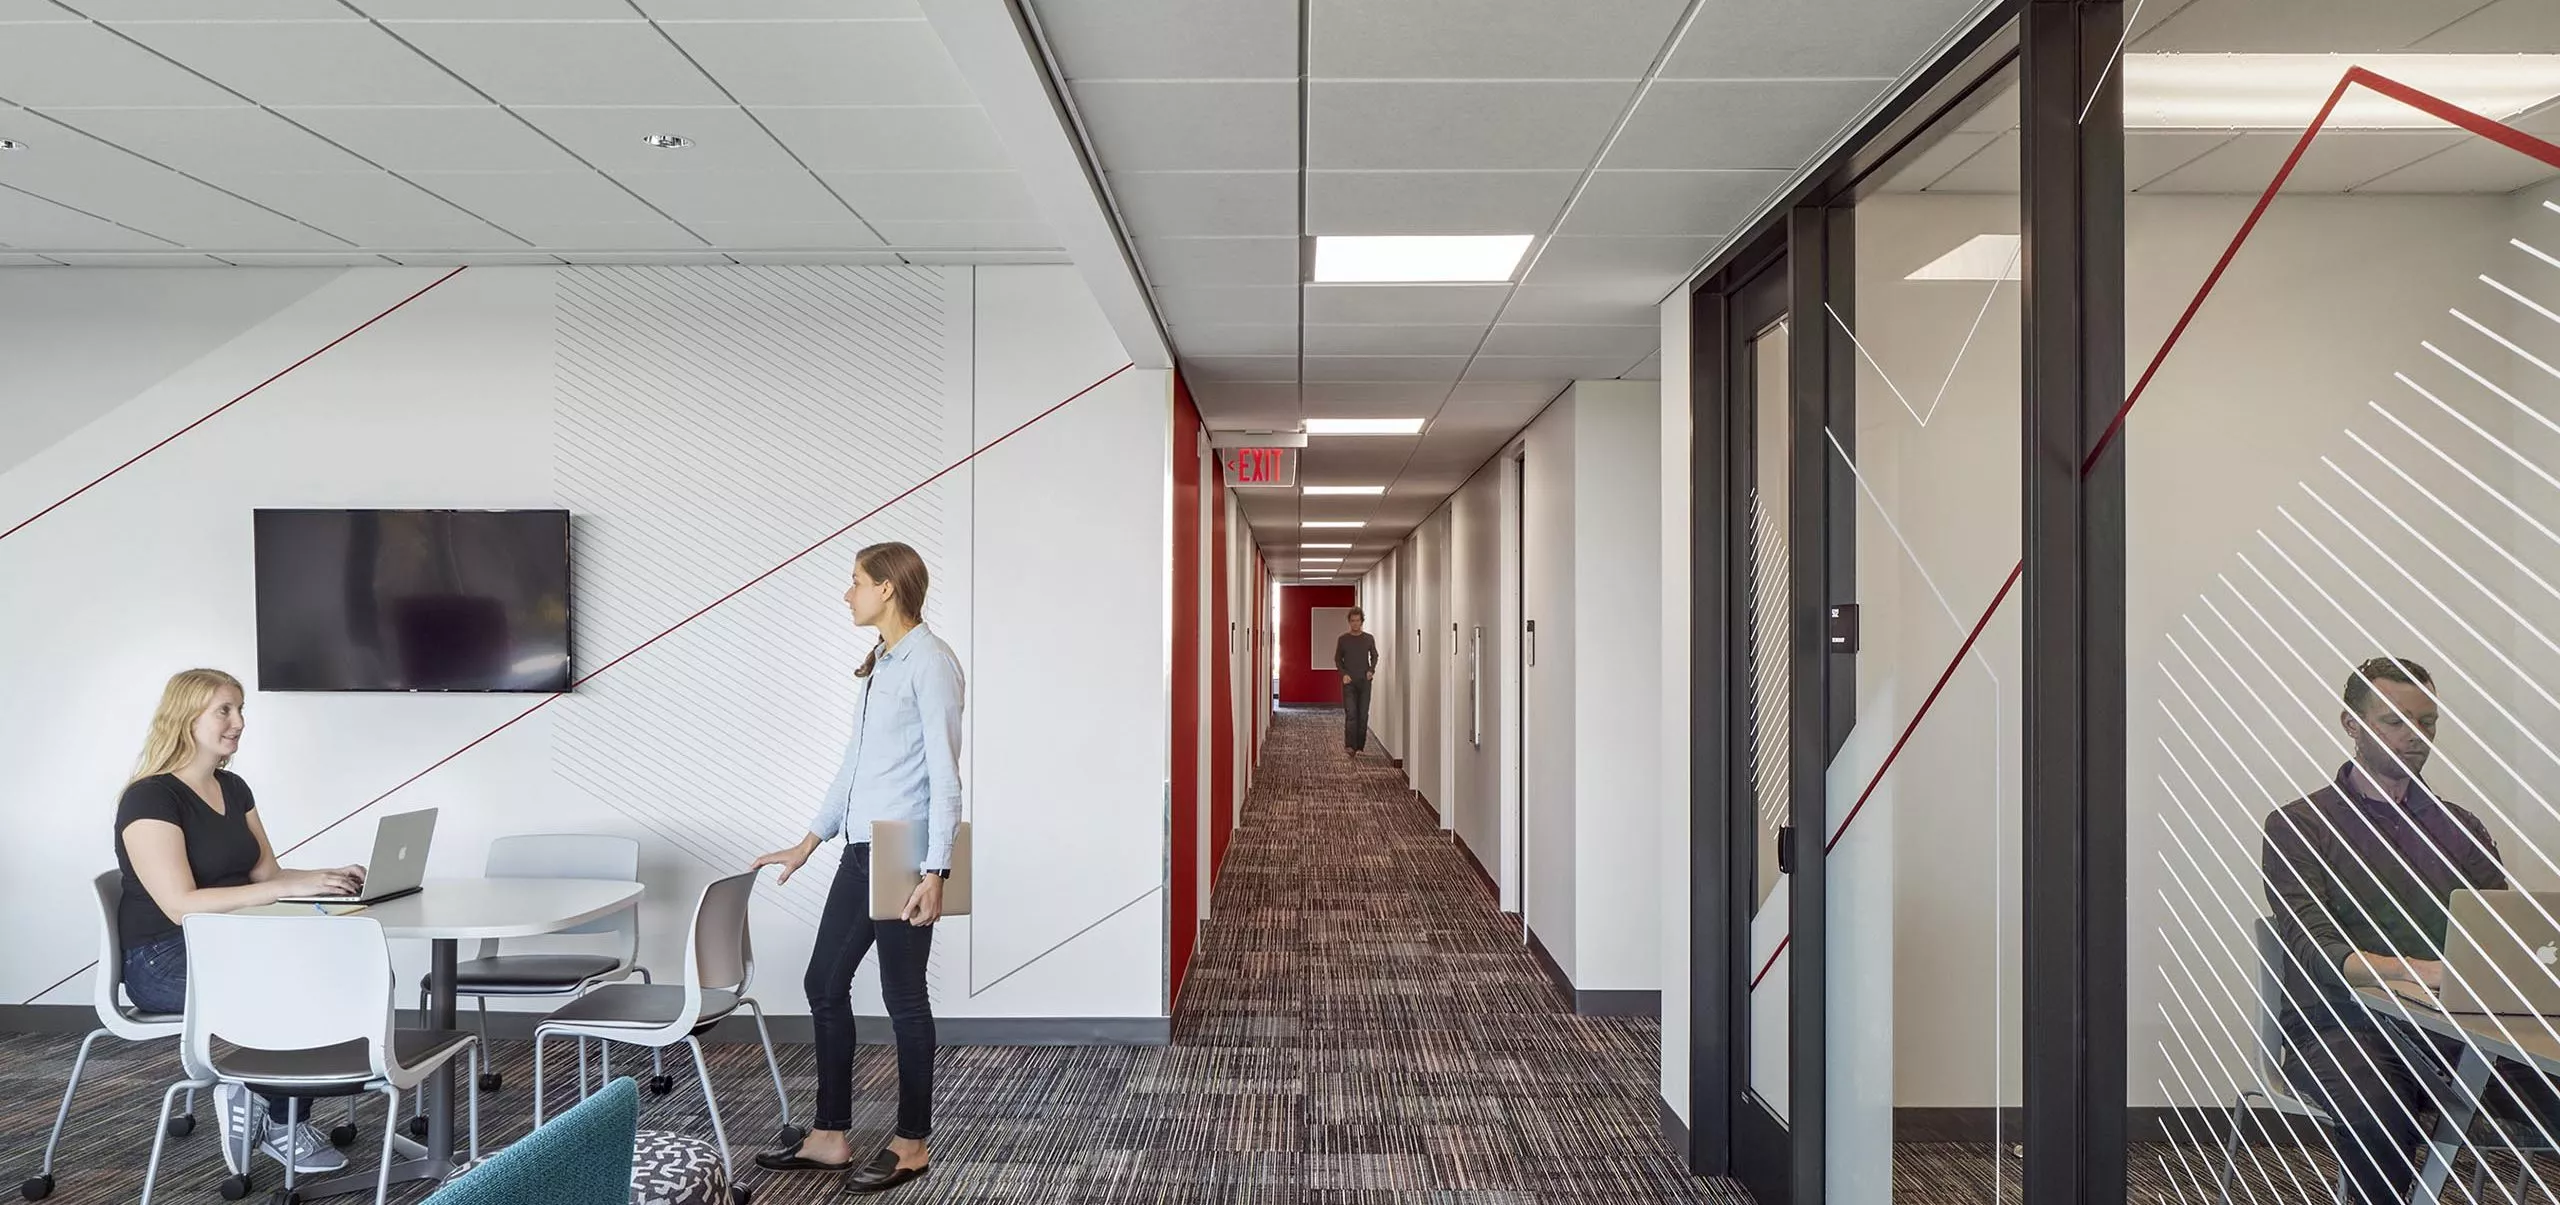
(220, 848)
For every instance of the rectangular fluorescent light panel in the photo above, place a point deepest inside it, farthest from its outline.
(1365, 426)
(1982, 257)
(1363, 490)
(1335, 523)
(2285, 91)
(1314, 547)
(1418, 258)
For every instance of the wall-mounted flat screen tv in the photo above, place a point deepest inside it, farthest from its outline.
(413, 600)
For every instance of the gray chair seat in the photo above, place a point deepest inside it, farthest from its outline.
(529, 974)
(331, 1066)
(639, 1006)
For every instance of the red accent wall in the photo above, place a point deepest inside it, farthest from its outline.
(1301, 682)
(1222, 734)
(1186, 683)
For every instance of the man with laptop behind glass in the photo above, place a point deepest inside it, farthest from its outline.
(2359, 875)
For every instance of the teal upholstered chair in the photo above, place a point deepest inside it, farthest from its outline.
(583, 1157)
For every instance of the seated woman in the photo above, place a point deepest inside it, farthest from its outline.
(189, 840)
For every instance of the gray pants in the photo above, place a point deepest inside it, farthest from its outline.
(1355, 713)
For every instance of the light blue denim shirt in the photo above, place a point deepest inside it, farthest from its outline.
(903, 762)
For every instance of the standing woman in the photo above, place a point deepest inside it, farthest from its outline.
(188, 840)
(903, 763)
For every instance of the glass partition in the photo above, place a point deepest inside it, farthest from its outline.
(2343, 610)
(1922, 806)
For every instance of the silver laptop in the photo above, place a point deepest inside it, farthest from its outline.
(897, 849)
(399, 864)
(2501, 955)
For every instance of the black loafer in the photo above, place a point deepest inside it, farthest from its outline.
(790, 1161)
(883, 1174)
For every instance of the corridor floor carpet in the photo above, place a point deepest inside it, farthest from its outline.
(1361, 1027)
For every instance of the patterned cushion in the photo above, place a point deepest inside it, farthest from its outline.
(677, 1169)
(583, 1157)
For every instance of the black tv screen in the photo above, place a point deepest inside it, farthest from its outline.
(413, 600)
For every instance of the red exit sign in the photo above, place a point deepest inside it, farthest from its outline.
(1260, 466)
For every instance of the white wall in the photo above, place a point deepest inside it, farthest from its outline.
(1617, 675)
(704, 425)
(1475, 801)
(1550, 561)
(1672, 734)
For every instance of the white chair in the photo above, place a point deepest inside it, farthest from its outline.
(719, 962)
(491, 973)
(116, 1018)
(302, 1007)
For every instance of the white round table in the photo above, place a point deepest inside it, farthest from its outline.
(446, 912)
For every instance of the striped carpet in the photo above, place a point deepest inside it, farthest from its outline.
(1361, 1026)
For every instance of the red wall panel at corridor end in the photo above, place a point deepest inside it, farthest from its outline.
(1301, 681)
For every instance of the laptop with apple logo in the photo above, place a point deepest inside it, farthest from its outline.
(2501, 955)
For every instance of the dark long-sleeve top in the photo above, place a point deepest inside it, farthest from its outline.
(2347, 871)
(1356, 654)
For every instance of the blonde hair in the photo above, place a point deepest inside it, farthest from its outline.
(171, 742)
(903, 569)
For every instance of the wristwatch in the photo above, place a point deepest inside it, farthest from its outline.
(942, 873)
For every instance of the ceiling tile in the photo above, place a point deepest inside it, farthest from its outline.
(1199, 125)
(28, 259)
(477, 138)
(1670, 202)
(1384, 368)
(1175, 203)
(1280, 395)
(1240, 368)
(370, 208)
(2504, 27)
(1011, 255)
(1524, 202)
(477, 259)
(511, 199)
(1844, 39)
(2477, 165)
(33, 222)
(831, 236)
(1369, 396)
(1538, 339)
(1427, 305)
(1915, 170)
(985, 196)
(1230, 262)
(1602, 303)
(1990, 167)
(2301, 26)
(307, 63)
(494, 10)
(1774, 124)
(2151, 154)
(1235, 416)
(611, 236)
(1236, 339)
(1499, 393)
(967, 234)
(616, 139)
(139, 260)
(885, 139)
(711, 196)
(56, 65)
(2335, 161)
(1227, 306)
(1486, 39)
(308, 259)
(851, 258)
(647, 258)
(564, 62)
(781, 10)
(1461, 124)
(92, 176)
(1655, 262)
(1368, 340)
(1542, 368)
(182, 10)
(213, 141)
(827, 63)
(1172, 39)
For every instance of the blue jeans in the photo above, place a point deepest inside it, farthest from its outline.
(155, 977)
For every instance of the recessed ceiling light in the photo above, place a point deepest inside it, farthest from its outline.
(1982, 257)
(1367, 490)
(1364, 426)
(667, 142)
(11, 144)
(1319, 560)
(1418, 258)
(1313, 547)
(1335, 523)
(2285, 91)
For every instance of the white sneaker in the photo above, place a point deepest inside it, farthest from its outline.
(310, 1150)
(236, 1111)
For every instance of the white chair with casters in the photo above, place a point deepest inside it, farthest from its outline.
(116, 1018)
(302, 1007)
(492, 973)
(719, 962)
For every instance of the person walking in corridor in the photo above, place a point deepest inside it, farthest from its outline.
(903, 763)
(1355, 654)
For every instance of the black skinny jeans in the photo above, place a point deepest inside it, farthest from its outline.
(846, 932)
